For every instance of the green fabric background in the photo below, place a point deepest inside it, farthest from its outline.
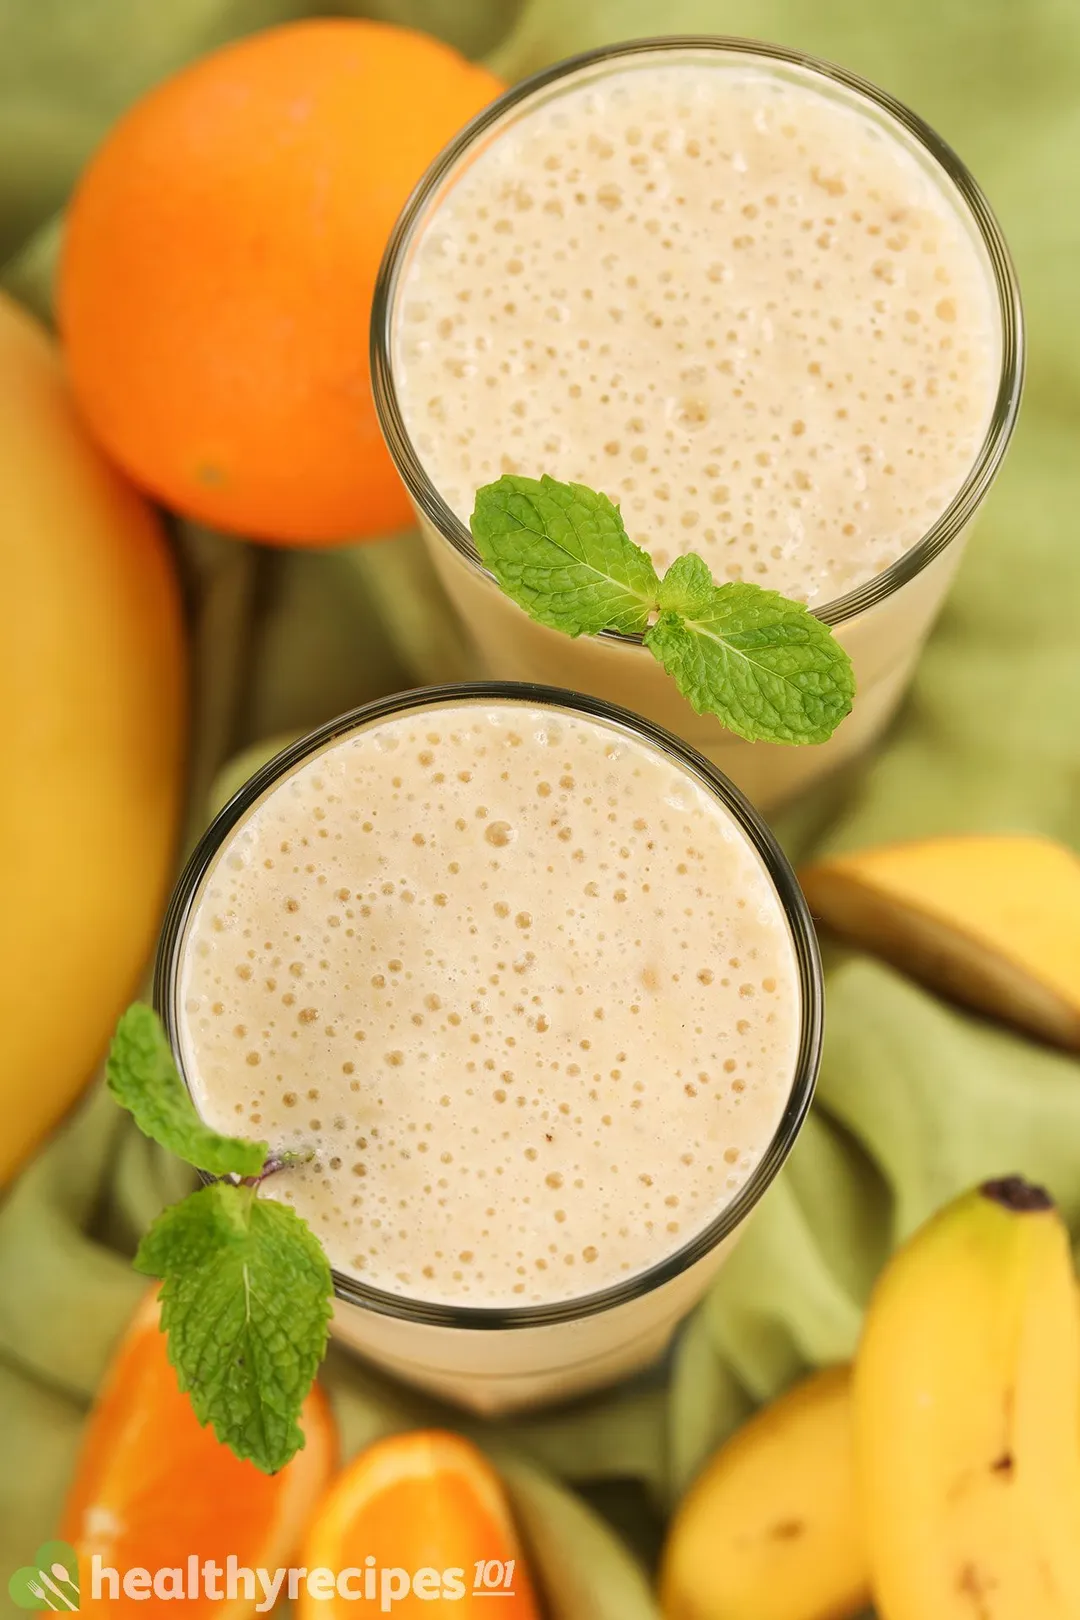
(916, 1100)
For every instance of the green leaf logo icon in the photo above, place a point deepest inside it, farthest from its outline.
(50, 1582)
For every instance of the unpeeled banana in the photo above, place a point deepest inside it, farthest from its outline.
(770, 1529)
(93, 681)
(945, 1475)
(967, 1416)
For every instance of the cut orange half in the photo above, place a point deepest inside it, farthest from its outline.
(155, 1491)
(418, 1524)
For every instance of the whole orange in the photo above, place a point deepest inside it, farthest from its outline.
(219, 263)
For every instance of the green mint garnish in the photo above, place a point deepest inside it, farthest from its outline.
(762, 663)
(765, 666)
(143, 1078)
(246, 1287)
(245, 1302)
(561, 552)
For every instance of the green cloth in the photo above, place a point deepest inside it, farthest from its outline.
(916, 1100)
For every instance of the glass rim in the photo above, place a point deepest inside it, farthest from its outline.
(383, 1302)
(960, 510)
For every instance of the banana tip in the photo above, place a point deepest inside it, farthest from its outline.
(1015, 1194)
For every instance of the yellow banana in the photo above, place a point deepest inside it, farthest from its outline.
(967, 1410)
(93, 684)
(771, 1531)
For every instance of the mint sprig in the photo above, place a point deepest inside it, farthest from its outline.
(764, 665)
(246, 1286)
(245, 1302)
(782, 676)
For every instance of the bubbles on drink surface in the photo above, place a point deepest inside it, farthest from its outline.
(739, 308)
(519, 981)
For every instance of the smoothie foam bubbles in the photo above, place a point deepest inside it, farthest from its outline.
(752, 298)
(520, 981)
(740, 306)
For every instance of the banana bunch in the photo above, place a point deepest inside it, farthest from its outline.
(940, 1478)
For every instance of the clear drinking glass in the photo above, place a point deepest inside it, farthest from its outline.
(882, 624)
(498, 1359)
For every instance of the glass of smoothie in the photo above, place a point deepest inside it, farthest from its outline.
(539, 992)
(754, 300)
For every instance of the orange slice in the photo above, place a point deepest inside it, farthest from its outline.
(155, 1491)
(415, 1521)
(993, 921)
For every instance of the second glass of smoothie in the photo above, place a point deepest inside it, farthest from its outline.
(539, 992)
(752, 298)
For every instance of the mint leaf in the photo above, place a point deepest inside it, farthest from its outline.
(247, 1289)
(142, 1076)
(765, 666)
(687, 587)
(245, 1302)
(561, 552)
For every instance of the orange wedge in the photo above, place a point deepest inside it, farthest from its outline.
(155, 1491)
(993, 921)
(418, 1524)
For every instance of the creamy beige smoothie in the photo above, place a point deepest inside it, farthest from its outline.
(742, 300)
(523, 984)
